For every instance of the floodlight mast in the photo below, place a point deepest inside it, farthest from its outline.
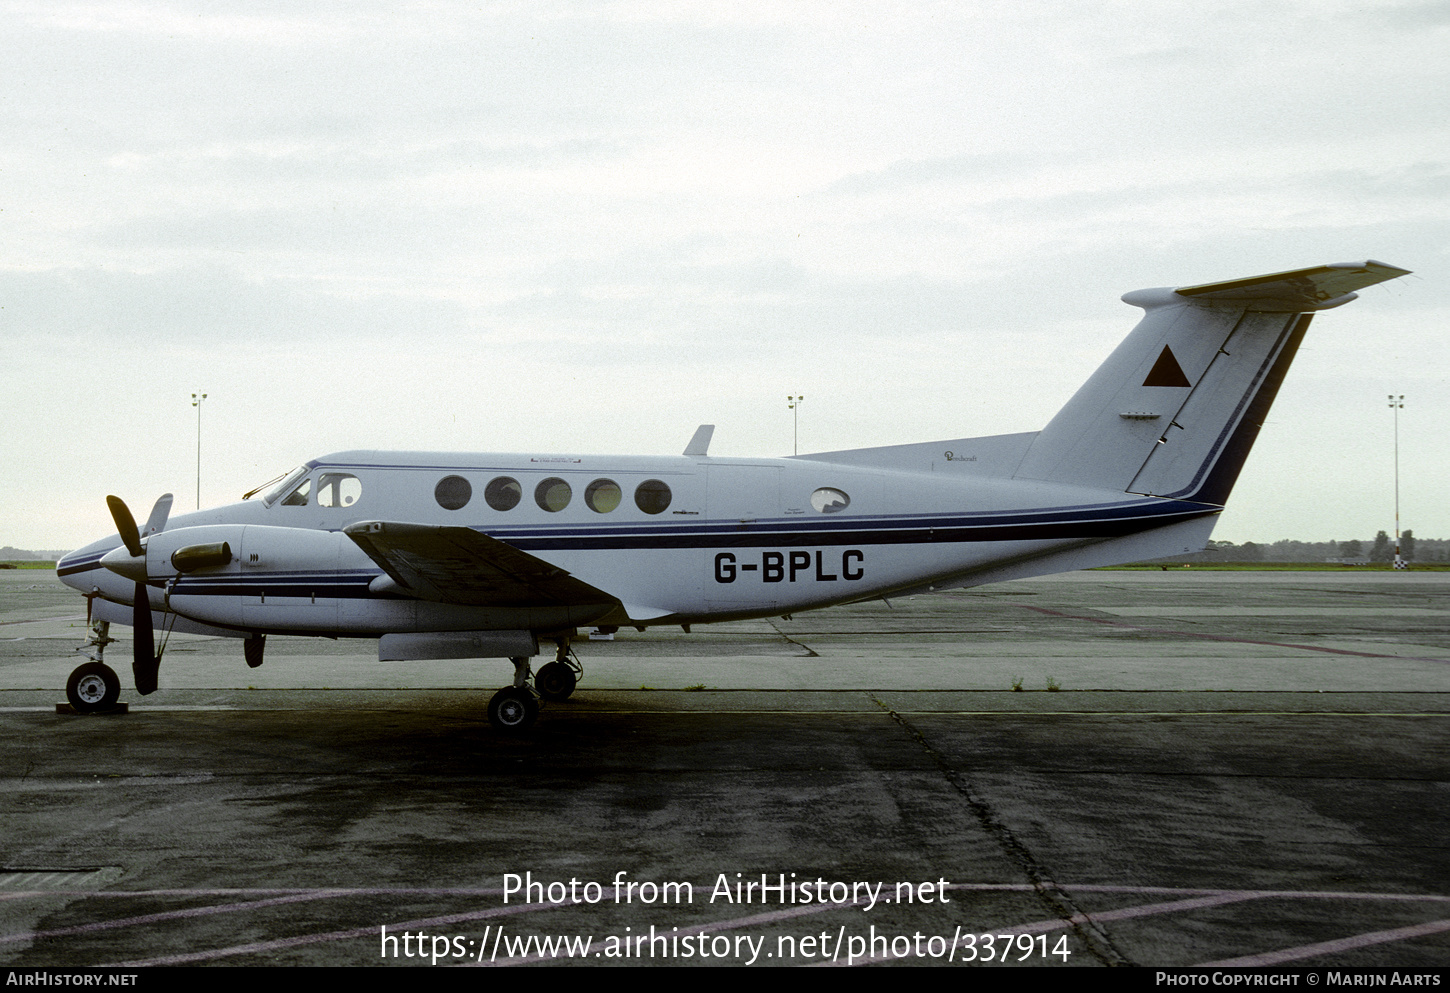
(1397, 403)
(794, 403)
(196, 399)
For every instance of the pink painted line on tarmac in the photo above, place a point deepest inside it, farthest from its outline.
(1267, 894)
(1339, 945)
(498, 891)
(1058, 923)
(1192, 898)
(1223, 637)
(38, 620)
(171, 915)
(1142, 910)
(268, 891)
(311, 939)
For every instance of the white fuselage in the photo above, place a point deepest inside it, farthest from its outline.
(673, 539)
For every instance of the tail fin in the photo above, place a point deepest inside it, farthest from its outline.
(1175, 409)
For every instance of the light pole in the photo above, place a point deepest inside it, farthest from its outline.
(196, 399)
(1397, 403)
(794, 404)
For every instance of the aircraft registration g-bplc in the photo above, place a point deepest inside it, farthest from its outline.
(486, 556)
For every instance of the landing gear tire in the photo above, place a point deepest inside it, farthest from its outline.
(92, 688)
(513, 709)
(555, 681)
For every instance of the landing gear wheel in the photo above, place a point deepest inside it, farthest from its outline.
(92, 688)
(513, 709)
(555, 681)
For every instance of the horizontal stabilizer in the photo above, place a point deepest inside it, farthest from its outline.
(1298, 291)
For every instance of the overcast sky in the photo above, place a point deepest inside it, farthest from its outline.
(589, 227)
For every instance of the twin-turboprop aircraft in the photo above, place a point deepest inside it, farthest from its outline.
(488, 556)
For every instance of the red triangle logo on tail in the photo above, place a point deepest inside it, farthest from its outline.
(1166, 371)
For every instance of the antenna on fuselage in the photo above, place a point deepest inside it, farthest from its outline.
(700, 443)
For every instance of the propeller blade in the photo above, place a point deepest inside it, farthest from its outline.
(125, 525)
(159, 513)
(145, 665)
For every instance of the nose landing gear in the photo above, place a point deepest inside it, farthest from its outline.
(94, 686)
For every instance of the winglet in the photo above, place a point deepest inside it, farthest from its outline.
(700, 443)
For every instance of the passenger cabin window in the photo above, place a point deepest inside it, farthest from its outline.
(553, 494)
(828, 500)
(503, 493)
(453, 492)
(652, 496)
(298, 497)
(337, 489)
(602, 495)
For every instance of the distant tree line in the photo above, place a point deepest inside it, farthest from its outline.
(1381, 549)
(7, 553)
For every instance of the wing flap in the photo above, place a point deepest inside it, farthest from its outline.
(463, 566)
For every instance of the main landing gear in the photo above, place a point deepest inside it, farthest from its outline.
(556, 681)
(515, 708)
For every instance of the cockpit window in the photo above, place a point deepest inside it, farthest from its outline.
(258, 489)
(338, 489)
(282, 485)
(298, 497)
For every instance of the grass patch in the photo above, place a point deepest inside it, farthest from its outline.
(27, 564)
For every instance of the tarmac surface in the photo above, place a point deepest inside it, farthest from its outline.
(1198, 768)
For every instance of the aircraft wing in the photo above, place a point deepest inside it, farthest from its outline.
(463, 566)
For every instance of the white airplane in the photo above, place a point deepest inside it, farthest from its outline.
(486, 556)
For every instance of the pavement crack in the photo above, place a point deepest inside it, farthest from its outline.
(804, 648)
(1058, 902)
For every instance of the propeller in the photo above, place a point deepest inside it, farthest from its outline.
(145, 664)
(125, 525)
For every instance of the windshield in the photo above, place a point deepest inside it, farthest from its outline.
(272, 492)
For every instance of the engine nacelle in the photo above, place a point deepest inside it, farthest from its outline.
(252, 576)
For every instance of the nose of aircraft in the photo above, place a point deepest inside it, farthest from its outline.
(80, 569)
(68, 567)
